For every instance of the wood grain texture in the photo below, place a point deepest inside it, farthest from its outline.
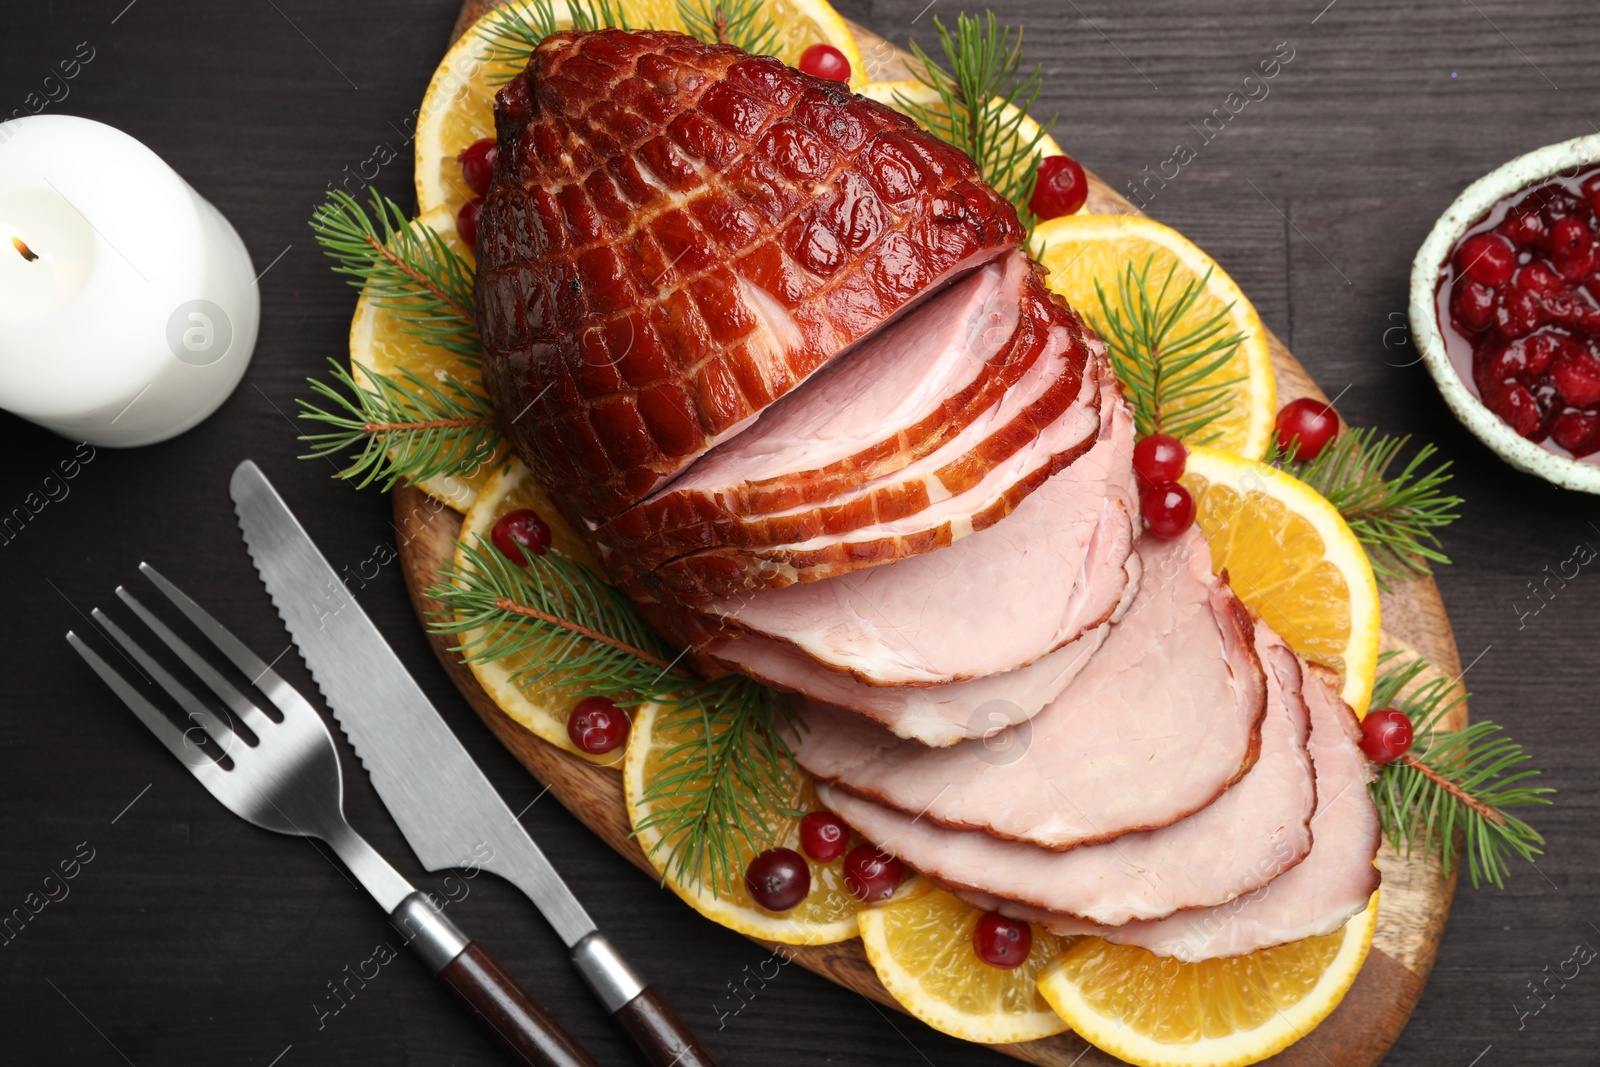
(1416, 896)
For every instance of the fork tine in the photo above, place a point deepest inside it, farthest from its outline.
(202, 765)
(237, 702)
(203, 716)
(285, 696)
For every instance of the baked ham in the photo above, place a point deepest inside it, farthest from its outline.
(1054, 569)
(1252, 833)
(678, 234)
(1318, 896)
(1163, 718)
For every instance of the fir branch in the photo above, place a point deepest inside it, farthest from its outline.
(1453, 785)
(1168, 368)
(742, 23)
(404, 268)
(512, 31)
(399, 428)
(981, 81)
(1396, 518)
(717, 793)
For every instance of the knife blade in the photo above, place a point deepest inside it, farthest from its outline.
(449, 812)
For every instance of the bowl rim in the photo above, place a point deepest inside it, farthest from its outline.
(1473, 203)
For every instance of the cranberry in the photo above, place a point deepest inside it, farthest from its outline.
(1160, 458)
(1168, 509)
(825, 61)
(1001, 942)
(1517, 313)
(597, 726)
(1385, 735)
(1473, 305)
(824, 836)
(1523, 229)
(1516, 404)
(477, 164)
(1559, 205)
(1485, 258)
(519, 532)
(1305, 427)
(1062, 188)
(778, 879)
(467, 222)
(871, 875)
(1574, 431)
(1576, 375)
(1537, 278)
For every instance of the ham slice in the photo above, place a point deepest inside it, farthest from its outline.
(678, 234)
(1165, 716)
(1048, 421)
(1334, 882)
(1052, 570)
(1250, 835)
(901, 393)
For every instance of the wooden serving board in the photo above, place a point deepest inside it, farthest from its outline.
(1415, 899)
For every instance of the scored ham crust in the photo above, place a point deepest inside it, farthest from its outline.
(678, 234)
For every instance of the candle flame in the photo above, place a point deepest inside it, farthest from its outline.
(23, 250)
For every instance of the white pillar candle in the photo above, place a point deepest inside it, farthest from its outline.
(128, 304)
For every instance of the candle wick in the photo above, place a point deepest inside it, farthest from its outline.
(23, 250)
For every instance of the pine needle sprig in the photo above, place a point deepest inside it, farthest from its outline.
(394, 428)
(513, 30)
(742, 23)
(406, 269)
(980, 79)
(717, 794)
(1168, 367)
(1453, 785)
(1397, 518)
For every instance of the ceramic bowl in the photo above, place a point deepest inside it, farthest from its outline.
(1470, 206)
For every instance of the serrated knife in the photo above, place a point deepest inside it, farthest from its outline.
(444, 804)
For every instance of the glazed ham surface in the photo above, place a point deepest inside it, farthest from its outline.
(779, 357)
(678, 234)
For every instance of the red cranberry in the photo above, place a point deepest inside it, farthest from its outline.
(1001, 942)
(1576, 375)
(825, 61)
(597, 726)
(1525, 229)
(871, 875)
(1062, 188)
(477, 164)
(1517, 313)
(1305, 427)
(519, 532)
(778, 879)
(1160, 458)
(1515, 403)
(1574, 431)
(824, 836)
(467, 222)
(1472, 305)
(1168, 509)
(1537, 278)
(1385, 735)
(1488, 259)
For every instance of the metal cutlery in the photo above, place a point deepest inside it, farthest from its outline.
(285, 776)
(441, 799)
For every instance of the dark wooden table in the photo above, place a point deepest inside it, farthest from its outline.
(191, 937)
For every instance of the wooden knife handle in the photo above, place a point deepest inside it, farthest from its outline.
(657, 1031)
(522, 1027)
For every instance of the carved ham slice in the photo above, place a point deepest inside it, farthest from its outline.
(1054, 569)
(678, 234)
(1252, 833)
(1045, 423)
(897, 396)
(1317, 897)
(1165, 716)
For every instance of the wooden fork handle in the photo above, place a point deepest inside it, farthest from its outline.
(518, 1023)
(655, 1029)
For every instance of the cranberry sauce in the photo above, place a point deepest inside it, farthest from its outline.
(1518, 310)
